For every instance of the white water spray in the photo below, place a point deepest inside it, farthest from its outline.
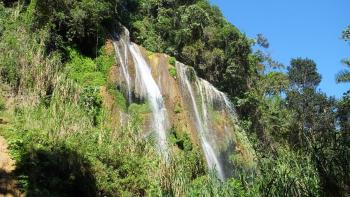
(121, 50)
(201, 122)
(149, 87)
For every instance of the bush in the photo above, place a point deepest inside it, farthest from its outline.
(172, 61)
(84, 70)
(173, 72)
(91, 101)
(292, 174)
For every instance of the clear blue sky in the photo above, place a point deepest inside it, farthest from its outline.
(297, 28)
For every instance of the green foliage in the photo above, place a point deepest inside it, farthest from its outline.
(84, 70)
(172, 61)
(346, 34)
(67, 129)
(79, 23)
(104, 61)
(344, 75)
(195, 33)
(314, 112)
(139, 108)
(138, 111)
(210, 186)
(173, 72)
(41, 139)
(118, 97)
(303, 73)
(181, 140)
(291, 174)
(343, 114)
(4, 15)
(23, 60)
(91, 101)
(178, 108)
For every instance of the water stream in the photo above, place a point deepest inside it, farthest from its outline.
(149, 87)
(201, 120)
(121, 50)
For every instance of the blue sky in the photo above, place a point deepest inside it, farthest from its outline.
(297, 28)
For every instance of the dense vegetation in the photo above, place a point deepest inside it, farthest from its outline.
(54, 66)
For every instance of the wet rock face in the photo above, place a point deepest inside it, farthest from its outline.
(178, 114)
(206, 114)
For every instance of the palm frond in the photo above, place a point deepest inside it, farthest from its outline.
(346, 62)
(343, 76)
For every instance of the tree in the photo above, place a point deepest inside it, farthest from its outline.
(346, 34)
(80, 23)
(343, 117)
(314, 127)
(344, 75)
(314, 111)
(262, 41)
(303, 74)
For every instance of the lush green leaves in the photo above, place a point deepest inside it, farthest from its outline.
(344, 75)
(198, 35)
(303, 74)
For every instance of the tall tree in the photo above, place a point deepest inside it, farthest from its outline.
(303, 74)
(314, 111)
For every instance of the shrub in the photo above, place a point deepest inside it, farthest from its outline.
(173, 71)
(91, 101)
(172, 61)
(84, 70)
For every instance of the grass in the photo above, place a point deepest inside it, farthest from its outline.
(118, 96)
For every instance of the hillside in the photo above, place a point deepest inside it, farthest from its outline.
(159, 98)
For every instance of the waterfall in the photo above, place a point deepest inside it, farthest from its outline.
(121, 50)
(215, 97)
(201, 121)
(210, 111)
(149, 88)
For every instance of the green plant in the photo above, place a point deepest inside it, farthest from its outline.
(173, 72)
(291, 173)
(104, 61)
(91, 101)
(172, 61)
(84, 70)
(149, 53)
(118, 96)
(178, 108)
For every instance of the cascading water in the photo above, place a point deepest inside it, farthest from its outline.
(215, 97)
(201, 121)
(149, 88)
(121, 50)
(211, 112)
